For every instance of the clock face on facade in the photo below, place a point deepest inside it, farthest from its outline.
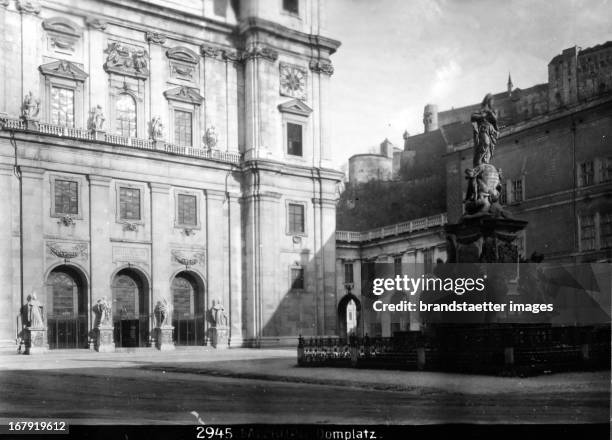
(292, 81)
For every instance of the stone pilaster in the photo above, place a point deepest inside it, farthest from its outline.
(235, 272)
(8, 311)
(98, 95)
(101, 213)
(160, 248)
(33, 250)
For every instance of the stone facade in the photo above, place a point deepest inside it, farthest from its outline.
(157, 157)
(411, 248)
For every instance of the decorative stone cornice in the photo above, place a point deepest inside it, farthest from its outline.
(28, 6)
(4, 3)
(322, 66)
(62, 25)
(232, 55)
(259, 51)
(208, 51)
(155, 38)
(96, 23)
(189, 258)
(184, 94)
(63, 69)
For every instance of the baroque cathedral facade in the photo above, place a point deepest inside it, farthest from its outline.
(167, 152)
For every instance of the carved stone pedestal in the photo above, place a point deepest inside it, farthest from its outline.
(103, 339)
(159, 144)
(163, 338)
(31, 124)
(99, 135)
(218, 337)
(35, 340)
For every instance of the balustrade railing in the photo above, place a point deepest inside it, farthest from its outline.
(142, 144)
(387, 231)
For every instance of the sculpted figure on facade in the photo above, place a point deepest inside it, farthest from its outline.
(163, 313)
(485, 131)
(157, 128)
(102, 310)
(96, 119)
(218, 315)
(30, 107)
(140, 60)
(32, 313)
(211, 138)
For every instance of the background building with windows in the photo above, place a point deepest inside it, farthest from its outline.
(167, 150)
(555, 155)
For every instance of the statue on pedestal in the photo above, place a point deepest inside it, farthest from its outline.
(211, 138)
(485, 131)
(157, 129)
(32, 313)
(96, 119)
(30, 107)
(219, 317)
(163, 313)
(102, 309)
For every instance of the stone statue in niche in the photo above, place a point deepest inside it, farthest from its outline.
(96, 119)
(218, 315)
(163, 313)
(157, 128)
(30, 107)
(32, 313)
(211, 138)
(102, 310)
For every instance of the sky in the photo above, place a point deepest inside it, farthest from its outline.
(398, 55)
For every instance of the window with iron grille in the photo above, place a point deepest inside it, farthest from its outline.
(297, 278)
(187, 210)
(294, 139)
(517, 191)
(291, 6)
(66, 197)
(605, 226)
(296, 218)
(587, 173)
(587, 232)
(62, 106)
(348, 273)
(129, 203)
(183, 128)
(125, 109)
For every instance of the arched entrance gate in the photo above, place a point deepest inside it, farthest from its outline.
(189, 309)
(131, 315)
(67, 308)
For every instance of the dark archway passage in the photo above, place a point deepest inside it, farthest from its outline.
(67, 308)
(131, 315)
(189, 312)
(349, 316)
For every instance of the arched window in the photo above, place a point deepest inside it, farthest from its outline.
(125, 110)
(183, 294)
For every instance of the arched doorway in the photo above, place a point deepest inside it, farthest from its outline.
(349, 316)
(130, 309)
(67, 308)
(188, 304)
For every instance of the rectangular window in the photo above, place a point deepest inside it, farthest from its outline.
(66, 197)
(62, 106)
(296, 218)
(297, 278)
(183, 127)
(291, 6)
(294, 139)
(605, 225)
(503, 199)
(587, 173)
(129, 203)
(187, 210)
(517, 191)
(348, 273)
(587, 232)
(606, 169)
(428, 256)
(397, 265)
